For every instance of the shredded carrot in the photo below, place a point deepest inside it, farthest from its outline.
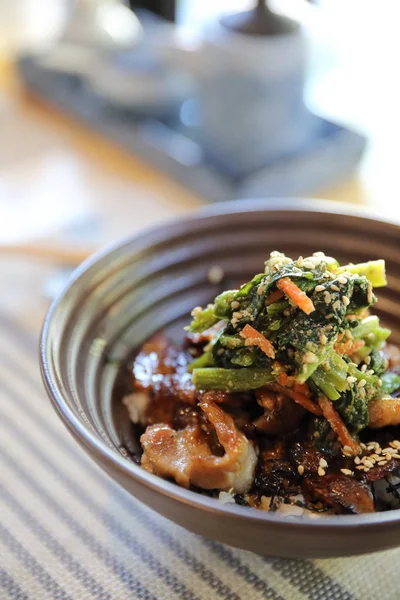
(255, 338)
(349, 347)
(335, 421)
(299, 392)
(296, 295)
(304, 401)
(286, 380)
(340, 337)
(274, 297)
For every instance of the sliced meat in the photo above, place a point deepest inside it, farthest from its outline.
(186, 456)
(275, 475)
(281, 414)
(343, 494)
(157, 357)
(392, 353)
(384, 412)
(305, 455)
(380, 472)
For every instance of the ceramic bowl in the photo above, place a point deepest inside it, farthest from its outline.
(124, 294)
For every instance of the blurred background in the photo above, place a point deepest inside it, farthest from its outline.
(118, 115)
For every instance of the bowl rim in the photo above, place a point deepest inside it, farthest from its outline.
(166, 488)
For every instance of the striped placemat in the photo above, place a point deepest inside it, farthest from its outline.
(67, 532)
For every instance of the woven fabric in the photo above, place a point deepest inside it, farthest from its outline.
(67, 532)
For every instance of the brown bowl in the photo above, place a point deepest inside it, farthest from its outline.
(121, 296)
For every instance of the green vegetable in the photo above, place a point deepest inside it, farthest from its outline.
(354, 410)
(366, 326)
(307, 369)
(373, 270)
(303, 343)
(390, 383)
(321, 380)
(331, 263)
(222, 304)
(277, 307)
(377, 363)
(203, 320)
(231, 380)
(205, 360)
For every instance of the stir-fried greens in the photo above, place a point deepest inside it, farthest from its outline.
(304, 318)
(282, 391)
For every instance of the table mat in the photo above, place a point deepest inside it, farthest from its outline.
(68, 532)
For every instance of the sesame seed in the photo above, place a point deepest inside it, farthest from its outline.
(396, 455)
(369, 293)
(319, 288)
(310, 358)
(300, 261)
(346, 472)
(330, 316)
(361, 383)
(362, 468)
(379, 383)
(388, 456)
(368, 463)
(342, 280)
(370, 371)
(321, 471)
(323, 339)
(353, 365)
(235, 304)
(345, 300)
(196, 311)
(395, 444)
(363, 368)
(308, 264)
(300, 469)
(351, 379)
(327, 297)
(336, 305)
(335, 288)
(319, 254)
(347, 451)
(382, 463)
(388, 450)
(375, 457)
(363, 446)
(378, 450)
(260, 289)
(357, 460)
(323, 463)
(348, 334)
(362, 392)
(237, 315)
